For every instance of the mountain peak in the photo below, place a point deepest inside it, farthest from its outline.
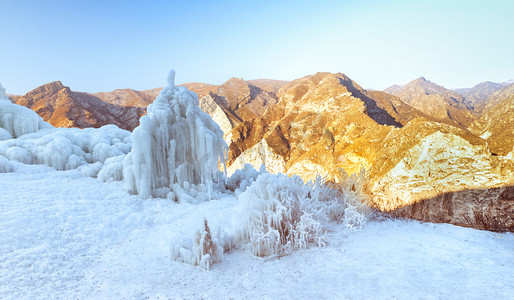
(54, 84)
(48, 89)
(420, 80)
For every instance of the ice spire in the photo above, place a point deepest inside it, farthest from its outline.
(176, 147)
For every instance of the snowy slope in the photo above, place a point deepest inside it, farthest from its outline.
(64, 235)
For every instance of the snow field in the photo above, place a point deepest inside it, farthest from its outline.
(64, 235)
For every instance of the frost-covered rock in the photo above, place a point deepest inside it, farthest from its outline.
(16, 120)
(4, 134)
(176, 145)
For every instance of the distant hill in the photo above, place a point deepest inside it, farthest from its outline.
(497, 122)
(477, 95)
(436, 101)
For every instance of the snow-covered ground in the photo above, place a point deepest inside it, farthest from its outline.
(64, 235)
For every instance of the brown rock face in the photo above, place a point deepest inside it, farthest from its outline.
(242, 100)
(497, 122)
(436, 101)
(229, 104)
(489, 209)
(61, 107)
(423, 162)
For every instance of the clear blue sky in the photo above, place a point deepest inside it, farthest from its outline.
(98, 46)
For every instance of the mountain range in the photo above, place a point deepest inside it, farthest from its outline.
(425, 147)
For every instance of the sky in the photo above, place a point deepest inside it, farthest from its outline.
(98, 46)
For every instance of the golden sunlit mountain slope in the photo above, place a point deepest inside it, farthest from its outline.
(320, 123)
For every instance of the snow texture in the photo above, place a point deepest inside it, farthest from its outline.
(67, 236)
(176, 148)
(69, 148)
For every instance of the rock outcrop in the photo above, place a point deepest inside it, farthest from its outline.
(431, 154)
(489, 209)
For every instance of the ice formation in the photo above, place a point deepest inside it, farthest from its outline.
(243, 178)
(69, 148)
(203, 251)
(5, 165)
(3, 95)
(176, 148)
(17, 120)
(278, 214)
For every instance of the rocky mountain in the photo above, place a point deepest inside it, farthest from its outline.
(321, 122)
(268, 85)
(424, 161)
(478, 94)
(129, 97)
(235, 101)
(230, 103)
(434, 100)
(497, 122)
(326, 121)
(61, 107)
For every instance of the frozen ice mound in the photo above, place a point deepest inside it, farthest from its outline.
(16, 120)
(68, 148)
(177, 146)
(5, 165)
(26, 138)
